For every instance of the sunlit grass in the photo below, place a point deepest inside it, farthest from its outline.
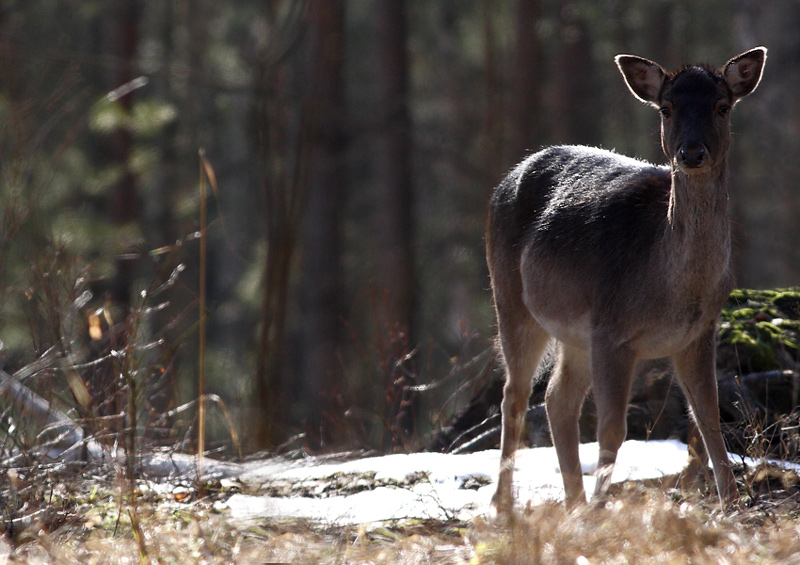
(637, 525)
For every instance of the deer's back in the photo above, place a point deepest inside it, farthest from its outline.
(582, 204)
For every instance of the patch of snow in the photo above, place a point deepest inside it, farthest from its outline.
(457, 486)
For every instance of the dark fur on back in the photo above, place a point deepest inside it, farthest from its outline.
(579, 202)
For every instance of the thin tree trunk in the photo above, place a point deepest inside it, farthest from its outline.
(284, 198)
(524, 80)
(323, 312)
(395, 231)
(574, 117)
(123, 206)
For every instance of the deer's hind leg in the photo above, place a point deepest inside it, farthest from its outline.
(522, 342)
(566, 392)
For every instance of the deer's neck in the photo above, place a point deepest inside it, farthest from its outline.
(698, 230)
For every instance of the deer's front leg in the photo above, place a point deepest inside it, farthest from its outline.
(612, 373)
(696, 370)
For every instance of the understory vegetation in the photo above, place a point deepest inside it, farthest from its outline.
(58, 507)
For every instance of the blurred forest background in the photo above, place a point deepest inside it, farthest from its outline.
(354, 144)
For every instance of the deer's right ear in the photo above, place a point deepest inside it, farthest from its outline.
(644, 78)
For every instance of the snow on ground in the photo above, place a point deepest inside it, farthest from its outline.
(452, 486)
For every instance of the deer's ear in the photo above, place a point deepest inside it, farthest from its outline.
(644, 78)
(743, 72)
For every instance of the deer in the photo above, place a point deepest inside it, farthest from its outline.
(615, 261)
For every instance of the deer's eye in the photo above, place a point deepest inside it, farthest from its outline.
(665, 112)
(724, 110)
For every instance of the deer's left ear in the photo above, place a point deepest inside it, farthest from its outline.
(743, 73)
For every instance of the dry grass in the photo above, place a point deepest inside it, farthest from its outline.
(87, 520)
(643, 526)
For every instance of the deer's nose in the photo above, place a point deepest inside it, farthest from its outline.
(692, 156)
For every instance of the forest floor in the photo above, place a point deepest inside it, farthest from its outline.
(95, 515)
(432, 507)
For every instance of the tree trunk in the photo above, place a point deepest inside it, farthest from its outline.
(575, 116)
(524, 80)
(395, 228)
(284, 199)
(123, 206)
(323, 312)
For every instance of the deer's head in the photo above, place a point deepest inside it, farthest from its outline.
(695, 104)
